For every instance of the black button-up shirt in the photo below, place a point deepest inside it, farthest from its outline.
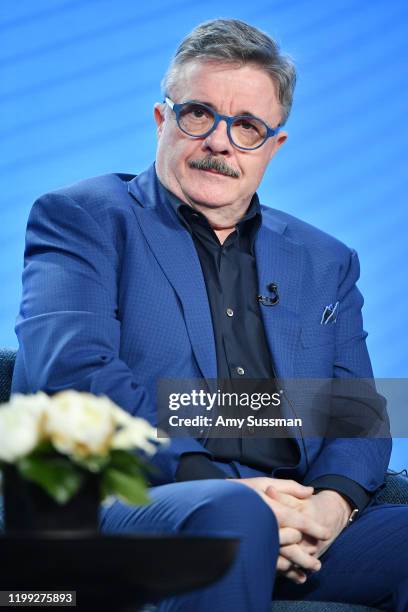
(230, 275)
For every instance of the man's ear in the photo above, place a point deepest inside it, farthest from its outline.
(280, 139)
(158, 113)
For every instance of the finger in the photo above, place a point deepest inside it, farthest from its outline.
(297, 556)
(283, 498)
(305, 524)
(309, 545)
(292, 573)
(272, 505)
(283, 564)
(290, 517)
(291, 487)
(308, 548)
(286, 563)
(296, 575)
(295, 504)
(288, 535)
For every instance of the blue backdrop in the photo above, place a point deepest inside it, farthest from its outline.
(78, 79)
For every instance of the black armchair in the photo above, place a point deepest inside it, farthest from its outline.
(7, 359)
(395, 492)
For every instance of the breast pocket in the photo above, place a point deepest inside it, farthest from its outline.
(313, 334)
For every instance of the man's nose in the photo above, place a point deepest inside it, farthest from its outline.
(218, 140)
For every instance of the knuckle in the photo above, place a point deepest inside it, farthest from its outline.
(294, 534)
(283, 564)
(297, 535)
(303, 522)
(310, 562)
(286, 550)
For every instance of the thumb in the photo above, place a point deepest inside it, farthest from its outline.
(283, 498)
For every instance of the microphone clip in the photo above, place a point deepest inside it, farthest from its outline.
(269, 300)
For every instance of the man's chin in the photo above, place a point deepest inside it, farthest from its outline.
(211, 188)
(209, 196)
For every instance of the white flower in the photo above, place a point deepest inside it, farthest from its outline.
(136, 434)
(77, 424)
(21, 425)
(37, 402)
(80, 424)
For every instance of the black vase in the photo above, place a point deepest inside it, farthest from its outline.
(28, 508)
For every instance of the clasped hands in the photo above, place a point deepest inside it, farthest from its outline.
(308, 524)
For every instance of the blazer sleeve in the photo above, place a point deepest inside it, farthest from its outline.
(68, 328)
(363, 460)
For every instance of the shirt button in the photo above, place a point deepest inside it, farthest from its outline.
(240, 371)
(230, 312)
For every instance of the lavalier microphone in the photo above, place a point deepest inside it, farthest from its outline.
(269, 300)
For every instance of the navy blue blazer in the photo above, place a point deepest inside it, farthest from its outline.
(114, 299)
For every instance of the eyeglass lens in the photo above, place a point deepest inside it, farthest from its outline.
(197, 120)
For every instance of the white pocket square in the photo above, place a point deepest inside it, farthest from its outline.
(330, 314)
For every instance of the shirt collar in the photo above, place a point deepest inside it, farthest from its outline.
(250, 222)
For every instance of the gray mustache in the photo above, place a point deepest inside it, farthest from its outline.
(214, 163)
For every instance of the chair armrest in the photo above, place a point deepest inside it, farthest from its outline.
(395, 490)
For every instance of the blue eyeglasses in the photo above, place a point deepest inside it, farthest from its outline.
(199, 120)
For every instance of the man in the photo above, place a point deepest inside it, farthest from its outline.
(180, 273)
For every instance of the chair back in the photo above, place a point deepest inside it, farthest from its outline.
(7, 360)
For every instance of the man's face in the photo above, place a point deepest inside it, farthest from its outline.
(230, 91)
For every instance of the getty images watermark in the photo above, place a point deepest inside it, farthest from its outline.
(221, 413)
(329, 408)
(223, 399)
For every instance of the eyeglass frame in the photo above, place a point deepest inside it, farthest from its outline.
(229, 120)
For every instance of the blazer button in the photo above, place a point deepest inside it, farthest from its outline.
(240, 371)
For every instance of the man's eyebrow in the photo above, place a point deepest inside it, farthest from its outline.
(243, 112)
(195, 101)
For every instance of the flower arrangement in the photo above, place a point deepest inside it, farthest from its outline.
(54, 441)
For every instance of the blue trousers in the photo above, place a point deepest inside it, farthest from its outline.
(367, 564)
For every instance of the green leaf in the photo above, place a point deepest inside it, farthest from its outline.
(56, 476)
(148, 468)
(126, 462)
(130, 489)
(132, 464)
(94, 463)
(45, 447)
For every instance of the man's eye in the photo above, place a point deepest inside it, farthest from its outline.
(247, 125)
(198, 112)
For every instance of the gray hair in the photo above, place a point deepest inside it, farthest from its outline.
(234, 41)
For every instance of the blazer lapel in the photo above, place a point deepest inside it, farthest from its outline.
(175, 252)
(280, 261)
